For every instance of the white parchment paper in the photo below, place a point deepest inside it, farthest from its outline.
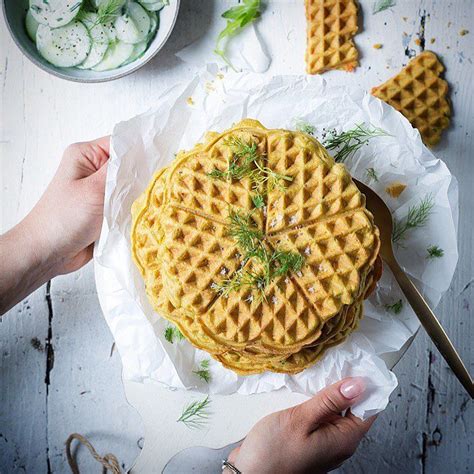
(212, 101)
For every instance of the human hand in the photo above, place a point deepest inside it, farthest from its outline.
(68, 217)
(312, 437)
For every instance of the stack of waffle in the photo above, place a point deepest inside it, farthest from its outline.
(190, 260)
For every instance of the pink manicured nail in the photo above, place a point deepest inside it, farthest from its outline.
(352, 388)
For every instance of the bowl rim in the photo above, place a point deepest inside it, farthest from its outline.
(61, 75)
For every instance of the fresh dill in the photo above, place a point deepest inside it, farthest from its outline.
(372, 174)
(395, 308)
(195, 414)
(203, 371)
(241, 228)
(247, 162)
(251, 241)
(108, 10)
(237, 18)
(258, 201)
(417, 217)
(305, 127)
(172, 333)
(381, 5)
(433, 251)
(347, 143)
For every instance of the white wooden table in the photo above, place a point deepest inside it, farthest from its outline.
(59, 372)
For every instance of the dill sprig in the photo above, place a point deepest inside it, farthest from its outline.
(247, 162)
(172, 333)
(433, 251)
(396, 307)
(237, 18)
(258, 201)
(305, 127)
(195, 414)
(347, 143)
(372, 174)
(244, 232)
(417, 217)
(251, 241)
(381, 5)
(108, 10)
(286, 262)
(203, 371)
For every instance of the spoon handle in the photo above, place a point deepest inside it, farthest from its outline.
(433, 328)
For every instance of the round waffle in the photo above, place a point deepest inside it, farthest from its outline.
(182, 247)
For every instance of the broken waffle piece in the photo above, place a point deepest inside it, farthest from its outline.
(419, 93)
(331, 25)
(395, 189)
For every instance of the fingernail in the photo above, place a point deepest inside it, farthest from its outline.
(352, 388)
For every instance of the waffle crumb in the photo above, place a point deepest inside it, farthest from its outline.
(463, 32)
(190, 101)
(377, 46)
(395, 189)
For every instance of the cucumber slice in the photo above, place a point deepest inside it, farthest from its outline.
(153, 24)
(55, 13)
(141, 18)
(154, 6)
(138, 50)
(133, 26)
(100, 40)
(127, 30)
(65, 46)
(110, 30)
(31, 25)
(115, 56)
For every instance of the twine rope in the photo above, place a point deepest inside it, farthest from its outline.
(109, 461)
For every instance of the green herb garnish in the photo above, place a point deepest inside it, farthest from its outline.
(417, 217)
(434, 252)
(172, 333)
(196, 414)
(237, 18)
(251, 241)
(347, 143)
(305, 127)
(247, 162)
(381, 5)
(395, 307)
(203, 371)
(108, 10)
(372, 174)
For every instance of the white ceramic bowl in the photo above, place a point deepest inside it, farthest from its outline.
(14, 12)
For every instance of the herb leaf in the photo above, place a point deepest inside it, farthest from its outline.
(417, 217)
(305, 127)
(203, 371)
(347, 143)
(108, 10)
(237, 18)
(372, 174)
(395, 307)
(172, 333)
(381, 5)
(196, 414)
(434, 252)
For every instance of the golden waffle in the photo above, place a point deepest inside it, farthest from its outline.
(182, 248)
(419, 93)
(331, 25)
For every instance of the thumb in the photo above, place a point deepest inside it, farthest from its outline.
(330, 402)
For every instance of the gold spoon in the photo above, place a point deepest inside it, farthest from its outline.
(383, 220)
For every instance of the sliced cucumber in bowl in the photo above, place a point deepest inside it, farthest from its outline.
(55, 13)
(99, 37)
(154, 5)
(117, 53)
(133, 26)
(31, 25)
(66, 46)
